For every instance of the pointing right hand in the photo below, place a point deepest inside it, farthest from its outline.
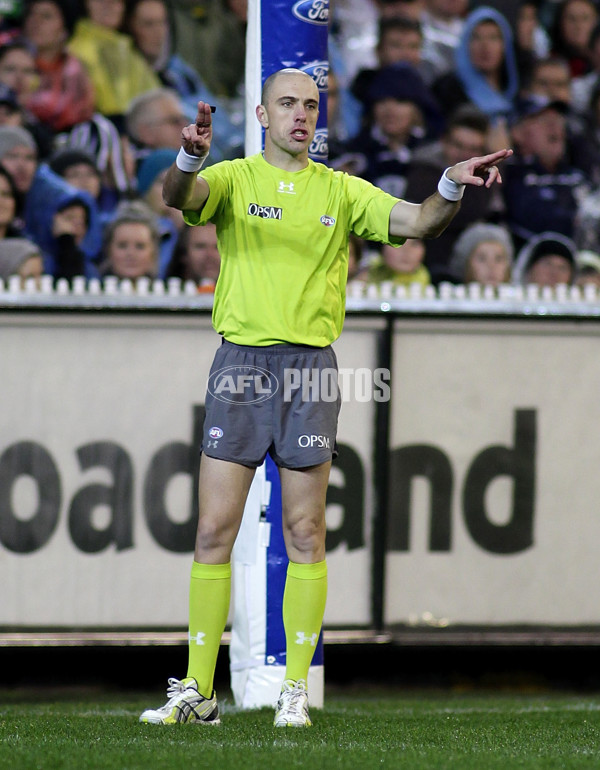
(196, 138)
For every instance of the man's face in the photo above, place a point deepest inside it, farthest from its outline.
(44, 25)
(163, 124)
(399, 45)
(290, 116)
(21, 163)
(462, 143)
(396, 119)
(150, 28)
(17, 71)
(578, 20)
(550, 270)
(552, 79)
(202, 258)
(542, 135)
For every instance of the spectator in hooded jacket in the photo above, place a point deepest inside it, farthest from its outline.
(485, 70)
(547, 259)
(46, 194)
(79, 169)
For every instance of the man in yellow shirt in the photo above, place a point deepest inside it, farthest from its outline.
(283, 224)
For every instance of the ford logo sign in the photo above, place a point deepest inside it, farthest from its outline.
(319, 148)
(318, 70)
(312, 11)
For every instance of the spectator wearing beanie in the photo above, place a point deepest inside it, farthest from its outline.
(483, 254)
(19, 256)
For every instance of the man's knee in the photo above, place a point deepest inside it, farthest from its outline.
(307, 533)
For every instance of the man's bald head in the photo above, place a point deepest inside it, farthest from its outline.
(272, 79)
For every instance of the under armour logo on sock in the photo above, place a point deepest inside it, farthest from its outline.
(301, 638)
(199, 638)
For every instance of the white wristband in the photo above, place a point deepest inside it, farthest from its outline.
(186, 162)
(451, 191)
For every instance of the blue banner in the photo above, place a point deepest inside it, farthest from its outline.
(294, 34)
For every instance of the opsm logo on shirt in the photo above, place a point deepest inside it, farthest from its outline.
(265, 212)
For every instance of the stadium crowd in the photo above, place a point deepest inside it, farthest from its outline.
(94, 94)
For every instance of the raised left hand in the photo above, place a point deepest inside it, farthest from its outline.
(479, 171)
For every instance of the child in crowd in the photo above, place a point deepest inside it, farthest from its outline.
(19, 256)
(402, 265)
(483, 254)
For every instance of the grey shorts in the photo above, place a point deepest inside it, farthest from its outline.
(280, 399)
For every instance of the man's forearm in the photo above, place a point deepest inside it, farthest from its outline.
(178, 188)
(435, 215)
(182, 189)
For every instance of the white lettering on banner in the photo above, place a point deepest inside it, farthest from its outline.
(112, 490)
(26, 534)
(490, 482)
(302, 638)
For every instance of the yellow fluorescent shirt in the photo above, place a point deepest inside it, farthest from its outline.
(283, 240)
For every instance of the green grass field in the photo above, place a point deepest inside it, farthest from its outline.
(416, 730)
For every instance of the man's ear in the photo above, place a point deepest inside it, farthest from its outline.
(261, 114)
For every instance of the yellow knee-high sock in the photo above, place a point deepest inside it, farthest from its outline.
(210, 593)
(303, 609)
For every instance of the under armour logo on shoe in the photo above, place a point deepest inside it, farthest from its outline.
(312, 639)
(199, 638)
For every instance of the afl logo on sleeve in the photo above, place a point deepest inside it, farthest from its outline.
(327, 221)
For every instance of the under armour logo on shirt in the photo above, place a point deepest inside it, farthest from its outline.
(199, 638)
(286, 188)
(302, 638)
